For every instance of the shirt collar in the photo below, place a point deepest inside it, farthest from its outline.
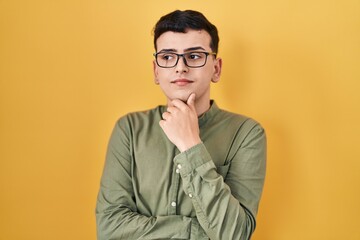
(209, 114)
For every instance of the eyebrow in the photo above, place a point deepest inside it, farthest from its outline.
(194, 49)
(185, 50)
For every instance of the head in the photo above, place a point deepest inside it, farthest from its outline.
(182, 21)
(182, 39)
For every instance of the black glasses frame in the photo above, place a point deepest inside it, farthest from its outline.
(182, 55)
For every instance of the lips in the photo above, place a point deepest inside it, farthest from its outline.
(182, 82)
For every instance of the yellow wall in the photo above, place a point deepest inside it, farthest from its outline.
(70, 68)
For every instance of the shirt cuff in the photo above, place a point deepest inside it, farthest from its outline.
(195, 158)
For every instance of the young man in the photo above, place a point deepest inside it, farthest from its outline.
(188, 170)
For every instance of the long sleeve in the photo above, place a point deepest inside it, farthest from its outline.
(117, 215)
(226, 207)
(149, 190)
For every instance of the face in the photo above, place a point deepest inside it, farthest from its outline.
(180, 81)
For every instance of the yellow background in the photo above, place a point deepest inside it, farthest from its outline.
(69, 69)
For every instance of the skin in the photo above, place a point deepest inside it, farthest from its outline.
(187, 89)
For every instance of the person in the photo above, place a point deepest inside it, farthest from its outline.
(187, 169)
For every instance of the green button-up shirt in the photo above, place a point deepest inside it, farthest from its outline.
(149, 190)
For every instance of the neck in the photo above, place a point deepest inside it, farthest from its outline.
(201, 108)
(202, 104)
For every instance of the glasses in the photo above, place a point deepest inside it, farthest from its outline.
(191, 59)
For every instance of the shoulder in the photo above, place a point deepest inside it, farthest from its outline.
(242, 125)
(139, 118)
(237, 119)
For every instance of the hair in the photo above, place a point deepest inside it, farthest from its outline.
(182, 21)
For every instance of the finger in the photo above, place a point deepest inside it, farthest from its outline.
(161, 123)
(165, 115)
(191, 101)
(179, 104)
(171, 110)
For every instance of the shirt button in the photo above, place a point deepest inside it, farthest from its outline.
(179, 166)
(173, 204)
(190, 195)
(177, 170)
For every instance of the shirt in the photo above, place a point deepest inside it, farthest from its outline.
(149, 190)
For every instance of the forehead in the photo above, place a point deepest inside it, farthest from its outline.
(181, 41)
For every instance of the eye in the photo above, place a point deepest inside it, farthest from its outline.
(166, 56)
(194, 56)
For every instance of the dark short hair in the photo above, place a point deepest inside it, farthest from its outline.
(182, 21)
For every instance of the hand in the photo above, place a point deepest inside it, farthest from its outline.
(180, 123)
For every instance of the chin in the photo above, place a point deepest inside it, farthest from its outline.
(182, 97)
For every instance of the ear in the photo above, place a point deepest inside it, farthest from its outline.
(155, 73)
(217, 70)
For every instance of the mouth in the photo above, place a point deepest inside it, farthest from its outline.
(182, 82)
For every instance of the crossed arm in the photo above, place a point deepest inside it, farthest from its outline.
(225, 209)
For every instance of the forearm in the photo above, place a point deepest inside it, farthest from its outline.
(122, 223)
(226, 209)
(219, 213)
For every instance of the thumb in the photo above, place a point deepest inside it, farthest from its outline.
(191, 101)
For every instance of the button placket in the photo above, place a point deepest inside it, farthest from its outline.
(175, 184)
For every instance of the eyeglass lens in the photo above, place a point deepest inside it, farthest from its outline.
(192, 59)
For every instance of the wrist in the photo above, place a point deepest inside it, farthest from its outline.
(186, 146)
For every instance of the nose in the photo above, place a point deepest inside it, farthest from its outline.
(181, 66)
